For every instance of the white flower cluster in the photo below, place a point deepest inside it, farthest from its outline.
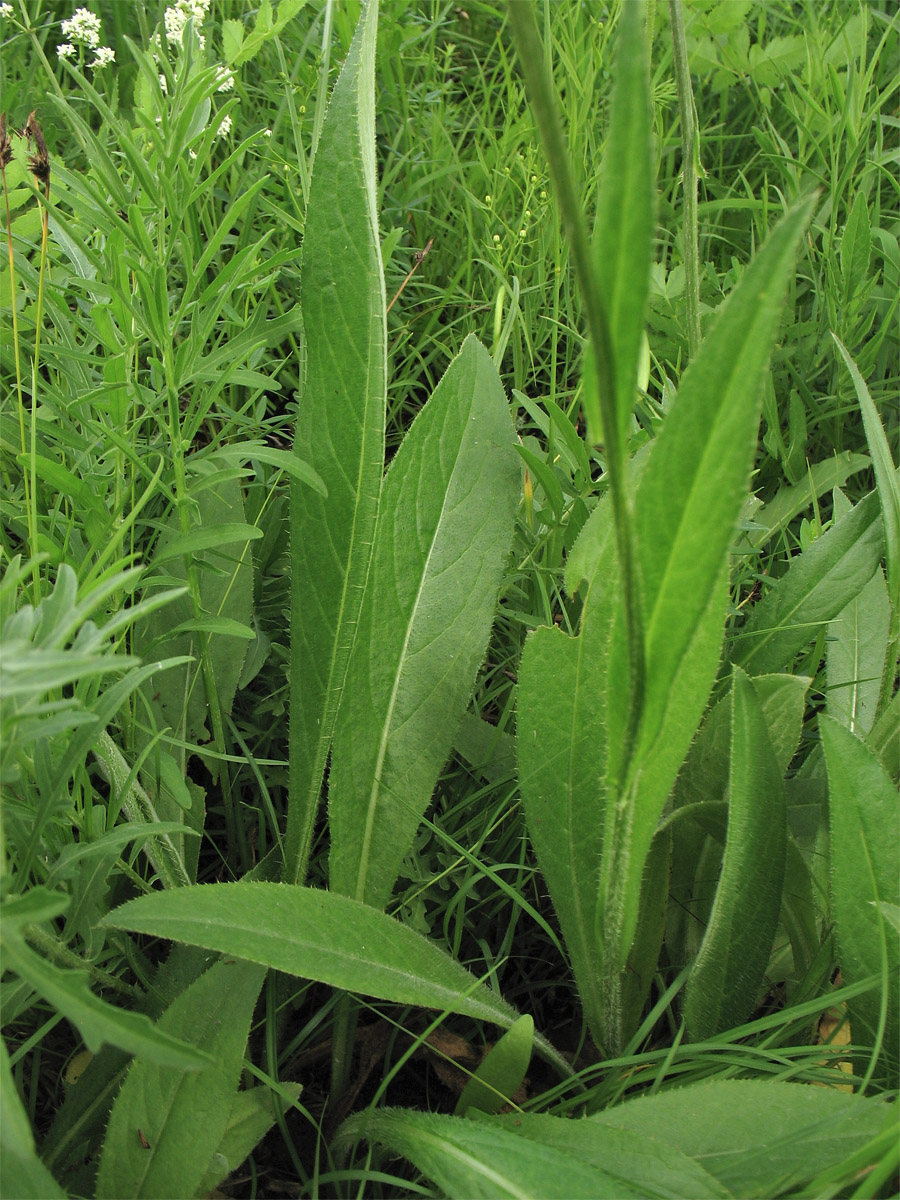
(6, 10)
(177, 16)
(83, 29)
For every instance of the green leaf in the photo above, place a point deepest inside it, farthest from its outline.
(284, 460)
(232, 38)
(856, 650)
(645, 1166)
(692, 492)
(252, 1116)
(97, 1021)
(625, 227)
(886, 477)
(469, 1160)
(856, 250)
(758, 1138)
(318, 935)
(340, 427)
(787, 502)
(722, 988)
(22, 1174)
(166, 1124)
(500, 1075)
(206, 539)
(425, 621)
(864, 819)
(819, 584)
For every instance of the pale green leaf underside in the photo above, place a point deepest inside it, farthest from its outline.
(340, 426)
(444, 529)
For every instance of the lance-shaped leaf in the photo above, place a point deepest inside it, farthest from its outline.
(820, 583)
(722, 987)
(166, 1124)
(444, 529)
(687, 507)
(322, 936)
(340, 426)
(864, 821)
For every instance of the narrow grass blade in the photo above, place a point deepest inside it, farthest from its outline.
(340, 427)
(864, 820)
(722, 987)
(886, 476)
(444, 531)
(820, 583)
(166, 1124)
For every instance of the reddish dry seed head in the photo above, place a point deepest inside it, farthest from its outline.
(39, 162)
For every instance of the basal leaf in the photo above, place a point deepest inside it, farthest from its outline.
(322, 936)
(340, 425)
(864, 820)
(166, 1124)
(444, 529)
(758, 1138)
(722, 988)
(471, 1160)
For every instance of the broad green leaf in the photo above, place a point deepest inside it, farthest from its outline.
(722, 988)
(864, 819)
(252, 1116)
(819, 584)
(444, 529)
(340, 425)
(886, 475)
(166, 1124)
(22, 1174)
(322, 936)
(855, 656)
(625, 228)
(471, 1160)
(561, 748)
(500, 1075)
(646, 1166)
(758, 1138)
(97, 1021)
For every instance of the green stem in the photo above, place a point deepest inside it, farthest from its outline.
(540, 91)
(62, 956)
(690, 150)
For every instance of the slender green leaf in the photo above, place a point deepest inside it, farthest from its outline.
(340, 427)
(625, 228)
(166, 1124)
(820, 583)
(864, 819)
(444, 529)
(886, 475)
(318, 935)
(206, 539)
(757, 1138)
(722, 988)
(97, 1021)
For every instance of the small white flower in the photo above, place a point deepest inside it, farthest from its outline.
(496, 237)
(225, 80)
(523, 233)
(267, 133)
(6, 10)
(487, 199)
(163, 85)
(104, 55)
(84, 27)
(65, 50)
(192, 154)
(225, 126)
